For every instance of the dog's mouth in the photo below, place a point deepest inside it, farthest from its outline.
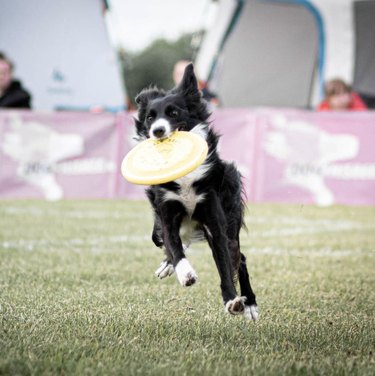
(162, 132)
(181, 127)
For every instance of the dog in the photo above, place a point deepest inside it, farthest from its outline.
(206, 204)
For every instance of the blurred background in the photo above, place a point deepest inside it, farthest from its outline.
(69, 72)
(87, 54)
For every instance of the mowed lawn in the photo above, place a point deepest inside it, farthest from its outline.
(78, 295)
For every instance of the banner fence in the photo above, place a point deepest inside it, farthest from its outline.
(287, 156)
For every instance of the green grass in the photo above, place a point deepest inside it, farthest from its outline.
(78, 295)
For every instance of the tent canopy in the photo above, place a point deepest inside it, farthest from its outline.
(62, 53)
(280, 52)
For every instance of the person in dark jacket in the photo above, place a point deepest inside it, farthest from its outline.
(12, 94)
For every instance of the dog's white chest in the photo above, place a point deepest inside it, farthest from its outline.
(187, 195)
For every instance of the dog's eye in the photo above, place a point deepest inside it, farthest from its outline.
(173, 113)
(150, 118)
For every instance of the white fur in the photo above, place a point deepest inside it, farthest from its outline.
(160, 123)
(186, 231)
(201, 129)
(208, 231)
(230, 302)
(197, 174)
(190, 232)
(187, 195)
(185, 272)
(189, 199)
(165, 270)
(251, 312)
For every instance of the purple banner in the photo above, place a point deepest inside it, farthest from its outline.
(286, 156)
(58, 155)
(323, 159)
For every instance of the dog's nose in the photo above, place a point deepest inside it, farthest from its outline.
(159, 132)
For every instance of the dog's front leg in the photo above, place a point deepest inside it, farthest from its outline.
(172, 214)
(165, 268)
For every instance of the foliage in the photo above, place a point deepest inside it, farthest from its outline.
(78, 295)
(154, 65)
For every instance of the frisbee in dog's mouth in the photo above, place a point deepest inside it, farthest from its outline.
(158, 161)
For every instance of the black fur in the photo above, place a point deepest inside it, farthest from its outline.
(218, 215)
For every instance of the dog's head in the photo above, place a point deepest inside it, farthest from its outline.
(160, 113)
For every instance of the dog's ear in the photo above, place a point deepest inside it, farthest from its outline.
(188, 88)
(146, 95)
(140, 130)
(189, 83)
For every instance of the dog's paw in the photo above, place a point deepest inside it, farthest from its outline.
(236, 306)
(165, 270)
(251, 312)
(186, 275)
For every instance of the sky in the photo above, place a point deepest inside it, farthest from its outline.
(134, 24)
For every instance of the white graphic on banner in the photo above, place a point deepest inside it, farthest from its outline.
(310, 153)
(41, 153)
(37, 149)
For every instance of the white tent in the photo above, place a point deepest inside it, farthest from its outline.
(62, 53)
(280, 52)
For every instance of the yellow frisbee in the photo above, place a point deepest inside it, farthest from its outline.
(160, 161)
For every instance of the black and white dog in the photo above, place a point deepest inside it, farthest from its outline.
(205, 204)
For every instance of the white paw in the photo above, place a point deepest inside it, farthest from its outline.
(236, 306)
(251, 312)
(186, 275)
(165, 270)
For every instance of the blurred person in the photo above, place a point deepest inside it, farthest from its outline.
(12, 94)
(340, 97)
(178, 72)
(369, 100)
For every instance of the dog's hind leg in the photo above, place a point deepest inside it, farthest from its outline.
(211, 215)
(251, 308)
(240, 271)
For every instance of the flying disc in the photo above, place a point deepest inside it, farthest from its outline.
(160, 161)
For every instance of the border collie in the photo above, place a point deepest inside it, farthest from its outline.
(206, 204)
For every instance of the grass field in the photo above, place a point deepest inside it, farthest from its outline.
(78, 295)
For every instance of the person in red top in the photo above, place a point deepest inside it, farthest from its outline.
(340, 97)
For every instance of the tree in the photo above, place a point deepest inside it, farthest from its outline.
(154, 65)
